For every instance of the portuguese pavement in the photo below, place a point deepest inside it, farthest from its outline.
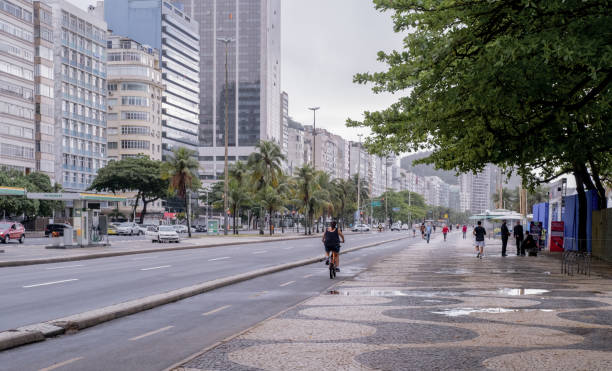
(437, 307)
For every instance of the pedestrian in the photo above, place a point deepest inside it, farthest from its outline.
(464, 230)
(423, 230)
(434, 227)
(505, 233)
(479, 232)
(428, 232)
(445, 231)
(413, 231)
(518, 236)
(529, 245)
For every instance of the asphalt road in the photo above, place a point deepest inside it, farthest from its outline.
(37, 293)
(158, 338)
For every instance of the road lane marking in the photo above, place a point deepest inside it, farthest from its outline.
(286, 283)
(50, 283)
(58, 365)
(160, 267)
(67, 266)
(216, 310)
(151, 333)
(308, 275)
(215, 259)
(258, 294)
(260, 252)
(146, 257)
(288, 248)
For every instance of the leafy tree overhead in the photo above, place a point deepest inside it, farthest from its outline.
(139, 174)
(514, 83)
(181, 170)
(14, 205)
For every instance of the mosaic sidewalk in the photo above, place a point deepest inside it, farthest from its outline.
(437, 307)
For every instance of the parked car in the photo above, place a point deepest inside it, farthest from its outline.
(112, 230)
(129, 228)
(396, 227)
(200, 228)
(56, 227)
(405, 227)
(163, 233)
(180, 228)
(11, 231)
(361, 228)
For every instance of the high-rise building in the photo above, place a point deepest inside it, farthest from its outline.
(295, 146)
(80, 93)
(330, 154)
(253, 88)
(17, 147)
(134, 100)
(165, 26)
(284, 122)
(475, 192)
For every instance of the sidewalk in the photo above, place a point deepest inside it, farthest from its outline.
(437, 307)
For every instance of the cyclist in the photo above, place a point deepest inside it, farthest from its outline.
(331, 240)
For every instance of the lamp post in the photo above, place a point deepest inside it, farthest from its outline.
(226, 41)
(314, 134)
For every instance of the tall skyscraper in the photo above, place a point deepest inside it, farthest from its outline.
(253, 88)
(80, 93)
(165, 26)
(17, 150)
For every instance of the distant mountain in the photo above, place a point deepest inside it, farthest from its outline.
(427, 170)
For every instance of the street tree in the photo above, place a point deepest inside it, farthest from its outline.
(523, 85)
(181, 170)
(133, 174)
(17, 205)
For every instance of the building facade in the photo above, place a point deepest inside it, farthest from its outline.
(253, 79)
(79, 93)
(284, 123)
(295, 146)
(134, 100)
(165, 26)
(17, 127)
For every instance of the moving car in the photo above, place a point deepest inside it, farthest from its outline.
(112, 230)
(405, 227)
(361, 228)
(396, 227)
(129, 228)
(180, 228)
(56, 227)
(163, 233)
(200, 228)
(11, 231)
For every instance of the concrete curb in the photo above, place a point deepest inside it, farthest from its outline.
(17, 263)
(40, 331)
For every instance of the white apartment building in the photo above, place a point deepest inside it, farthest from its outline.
(295, 146)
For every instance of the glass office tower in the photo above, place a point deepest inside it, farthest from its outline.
(165, 26)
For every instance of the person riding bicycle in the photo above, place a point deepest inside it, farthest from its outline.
(331, 240)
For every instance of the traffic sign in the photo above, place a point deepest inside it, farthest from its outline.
(376, 203)
(396, 209)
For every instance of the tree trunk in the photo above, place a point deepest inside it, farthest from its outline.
(261, 221)
(144, 209)
(187, 213)
(271, 225)
(135, 207)
(601, 191)
(582, 211)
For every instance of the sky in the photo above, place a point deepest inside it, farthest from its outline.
(324, 43)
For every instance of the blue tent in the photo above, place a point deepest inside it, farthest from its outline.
(570, 218)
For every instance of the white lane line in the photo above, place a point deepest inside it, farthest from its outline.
(260, 252)
(146, 257)
(58, 365)
(258, 294)
(216, 310)
(67, 266)
(288, 248)
(215, 259)
(160, 267)
(308, 275)
(151, 333)
(50, 283)
(287, 283)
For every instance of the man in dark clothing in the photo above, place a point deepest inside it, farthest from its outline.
(518, 235)
(505, 233)
(480, 233)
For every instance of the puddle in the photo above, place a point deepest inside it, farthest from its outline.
(432, 301)
(456, 312)
(375, 292)
(520, 292)
(454, 271)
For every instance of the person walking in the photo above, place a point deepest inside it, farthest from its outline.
(505, 233)
(479, 232)
(444, 231)
(423, 230)
(464, 230)
(428, 232)
(518, 236)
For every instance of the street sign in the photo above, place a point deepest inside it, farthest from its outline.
(396, 209)
(376, 203)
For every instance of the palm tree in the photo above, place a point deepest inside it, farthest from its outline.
(182, 171)
(272, 200)
(237, 197)
(343, 198)
(305, 188)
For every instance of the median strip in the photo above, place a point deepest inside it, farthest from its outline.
(29, 334)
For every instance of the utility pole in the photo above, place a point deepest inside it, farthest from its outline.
(226, 41)
(314, 134)
(358, 179)
(386, 188)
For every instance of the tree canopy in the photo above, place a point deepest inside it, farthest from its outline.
(32, 182)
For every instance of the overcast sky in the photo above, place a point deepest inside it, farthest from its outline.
(324, 43)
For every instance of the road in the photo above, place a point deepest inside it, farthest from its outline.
(156, 339)
(39, 293)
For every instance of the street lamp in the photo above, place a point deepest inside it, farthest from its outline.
(226, 41)
(314, 133)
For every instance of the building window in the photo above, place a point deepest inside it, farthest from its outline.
(112, 145)
(135, 144)
(134, 101)
(142, 130)
(131, 115)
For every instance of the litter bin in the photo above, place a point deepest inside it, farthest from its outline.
(68, 238)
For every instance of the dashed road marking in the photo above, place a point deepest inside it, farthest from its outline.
(286, 283)
(222, 258)
(308, 275)
(146, 257)
(160, 267)
(58, 365)
(258, 294)
(50, 283)
(260, 252)
(216, 310)
(67, 266)
(288, 248)
(151, 333)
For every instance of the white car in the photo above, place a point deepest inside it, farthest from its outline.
(179, 228)
(396, 227)
(361, 228)
(405, 227)
(129, 228)
(163, 233)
